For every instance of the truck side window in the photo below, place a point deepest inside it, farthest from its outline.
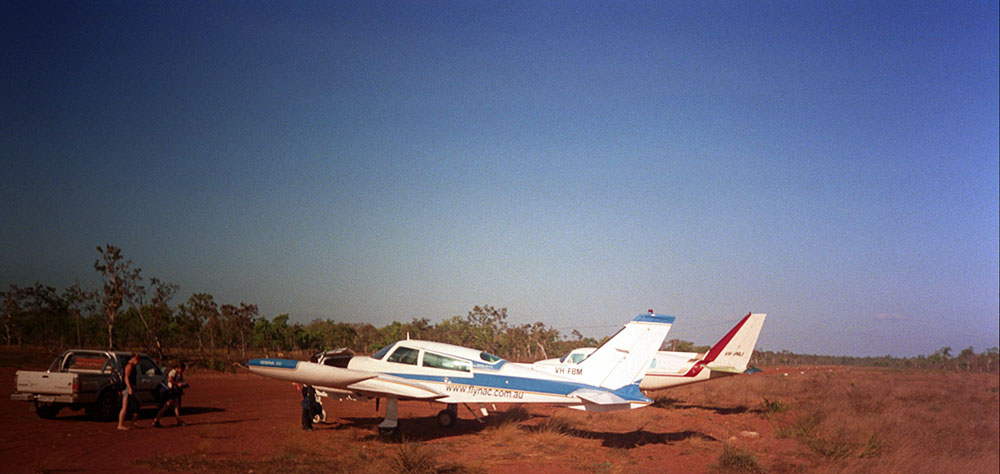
(148, 367)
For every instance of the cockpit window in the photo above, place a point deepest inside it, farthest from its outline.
(404, 355)
(489, 357)
(382, 352)
(573, 358)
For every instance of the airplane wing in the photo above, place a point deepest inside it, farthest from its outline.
(388, 385)
(371, 384)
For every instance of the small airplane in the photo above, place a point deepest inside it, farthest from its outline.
(729, 356)
(608, 379)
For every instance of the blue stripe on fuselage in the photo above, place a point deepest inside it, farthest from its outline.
(525, 384)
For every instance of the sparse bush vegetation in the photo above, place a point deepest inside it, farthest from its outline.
(772, 407)
(735, 460)
(556, 425)
(414, 458)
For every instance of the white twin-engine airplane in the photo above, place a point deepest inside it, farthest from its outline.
(608, 379)
(729, 356)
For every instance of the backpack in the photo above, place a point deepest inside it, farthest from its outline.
(117, 380)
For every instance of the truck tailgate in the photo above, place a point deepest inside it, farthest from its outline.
(46, 383)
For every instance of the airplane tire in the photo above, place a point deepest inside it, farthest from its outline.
(320, 417)
(445, 418)
(387, 432)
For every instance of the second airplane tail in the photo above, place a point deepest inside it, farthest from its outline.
(732, 352)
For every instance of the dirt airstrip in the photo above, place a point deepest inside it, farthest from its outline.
(245, 423)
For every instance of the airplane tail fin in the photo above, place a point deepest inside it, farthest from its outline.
(624, 359)
(732, 352)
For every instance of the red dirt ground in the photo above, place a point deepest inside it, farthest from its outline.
(243, 423)
(244, 416)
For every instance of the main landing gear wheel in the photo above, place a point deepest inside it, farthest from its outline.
(445, 418)
(389, 426)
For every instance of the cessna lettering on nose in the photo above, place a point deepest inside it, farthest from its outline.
(422, 370)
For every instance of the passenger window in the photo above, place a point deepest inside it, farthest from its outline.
(404, 355)
(577, 358)
(486, 356)
(445, 362)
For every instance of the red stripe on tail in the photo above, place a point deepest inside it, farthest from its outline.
(717, 348)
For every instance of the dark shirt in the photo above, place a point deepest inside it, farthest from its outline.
(132, 375)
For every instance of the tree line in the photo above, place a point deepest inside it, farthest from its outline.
(128, 312)
(967, 360)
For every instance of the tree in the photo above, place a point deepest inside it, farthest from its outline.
(275, 334)
(238, 322)
(198, 318)
(119, 281)
(12, 314)
(79, 302)
(156, 317)
(486, 323)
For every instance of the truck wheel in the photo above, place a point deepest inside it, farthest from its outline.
(107, 406)
(45, 410)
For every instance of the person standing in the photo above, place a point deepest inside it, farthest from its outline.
(129, 395)
(308, 399)
(175, 390)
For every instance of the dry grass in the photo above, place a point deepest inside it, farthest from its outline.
(735, 460)
(858, 422)
(827, 421)
(406, 457)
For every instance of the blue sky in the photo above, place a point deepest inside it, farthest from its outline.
(834, 164)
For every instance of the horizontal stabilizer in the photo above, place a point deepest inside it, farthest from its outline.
(598, 397)
(725, 369)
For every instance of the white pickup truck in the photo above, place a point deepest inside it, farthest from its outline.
(82, 379)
